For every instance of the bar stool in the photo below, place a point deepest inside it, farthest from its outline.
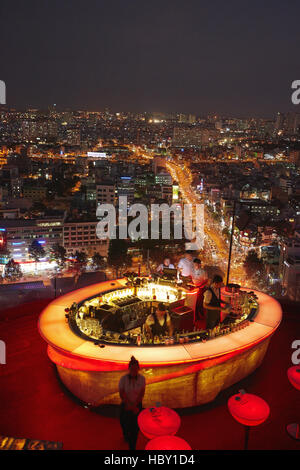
(249, 410)
(293, 374)
(168, 443)
(159, 421)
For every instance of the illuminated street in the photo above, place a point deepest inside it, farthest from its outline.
(216, 247)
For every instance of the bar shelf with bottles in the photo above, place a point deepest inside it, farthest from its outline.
(117, 316)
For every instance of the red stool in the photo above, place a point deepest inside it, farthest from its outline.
(168, 443)
(293, 374)
(160, 421)
(249, 410)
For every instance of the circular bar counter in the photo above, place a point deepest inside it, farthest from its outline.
(178, 376)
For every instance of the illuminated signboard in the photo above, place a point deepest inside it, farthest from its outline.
(49, 224)
(97, 154)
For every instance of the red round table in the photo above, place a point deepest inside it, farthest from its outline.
(168, 443)
(160, 421)
(293, 374)
(249, 410)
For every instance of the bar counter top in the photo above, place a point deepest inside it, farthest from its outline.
(55, 330)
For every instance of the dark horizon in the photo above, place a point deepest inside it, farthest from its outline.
(232, 58)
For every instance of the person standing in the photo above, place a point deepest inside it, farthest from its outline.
(212, 302)
(199, 278)
(185, 265)
(159, 323)
(131, 390)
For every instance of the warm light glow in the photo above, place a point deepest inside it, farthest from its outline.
(248, 409)
(294, 376)
(168, 443)
(181, 368)
(160, 421)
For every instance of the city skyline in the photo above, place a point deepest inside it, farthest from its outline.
(230, 59)
(175, 115)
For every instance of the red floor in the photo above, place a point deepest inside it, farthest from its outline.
(33, 403)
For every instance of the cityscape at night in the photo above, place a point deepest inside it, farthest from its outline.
(150, 334)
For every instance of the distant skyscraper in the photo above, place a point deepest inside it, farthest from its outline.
(292, 122)
(73, 136)
(192, 136)
(288, 123)
(279, 122)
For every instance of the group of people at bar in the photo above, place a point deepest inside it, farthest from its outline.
(188, 268)
(209, 300)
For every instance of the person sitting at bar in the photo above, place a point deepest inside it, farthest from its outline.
(159, 323)
(185, 265)
(212, 302)
(165, 264)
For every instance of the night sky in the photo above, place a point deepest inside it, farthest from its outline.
(231, 57)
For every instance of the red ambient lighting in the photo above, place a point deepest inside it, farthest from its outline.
(248, 409)
(294, 376)
(167, 443)
(160, 421)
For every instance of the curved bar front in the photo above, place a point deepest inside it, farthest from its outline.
(178, 376)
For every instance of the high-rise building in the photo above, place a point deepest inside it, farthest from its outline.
(193, 136)
(163, 178)
(38, 129)
(82, 236)
(105, 193)
(73, 136)
(125, 188)
(288, 123)
(289, 268)
(279, 122)
(20, 233)
(292, 123)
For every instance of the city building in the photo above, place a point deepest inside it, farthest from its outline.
(81, 236)
(163, 178)
(291, 277)
(125, 187)
(247, 237)
(35, 193)
(193, 136)
(18, 235)
(105, 193)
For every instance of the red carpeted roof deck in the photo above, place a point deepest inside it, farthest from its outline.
(34, 404)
